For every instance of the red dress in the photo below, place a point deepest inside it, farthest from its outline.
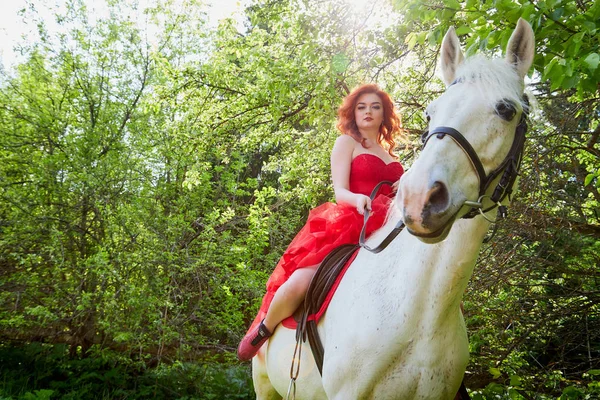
(331, 225)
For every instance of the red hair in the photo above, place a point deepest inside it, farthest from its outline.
(390, 128)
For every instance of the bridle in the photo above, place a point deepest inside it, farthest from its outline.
(509, 168)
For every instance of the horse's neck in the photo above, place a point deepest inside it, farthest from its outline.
(434, 276)
(455, 257)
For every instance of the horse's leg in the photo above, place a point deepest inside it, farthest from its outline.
(262, 384)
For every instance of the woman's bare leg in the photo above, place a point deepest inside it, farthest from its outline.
(289, 296)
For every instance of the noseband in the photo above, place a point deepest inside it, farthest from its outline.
(509, 167)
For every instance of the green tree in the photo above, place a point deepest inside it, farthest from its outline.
(133, 171)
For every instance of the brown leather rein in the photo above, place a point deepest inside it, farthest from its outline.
(391, 236)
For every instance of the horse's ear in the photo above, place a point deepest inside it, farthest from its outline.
(451, 56)
(520, 49)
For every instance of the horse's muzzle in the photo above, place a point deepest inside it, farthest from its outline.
(428, 213)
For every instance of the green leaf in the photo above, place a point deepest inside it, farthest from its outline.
(514, 394)
(513, 15)
(570, 82)
(557, 79)
(552, 3)
(471, 4)
(588, 179)
(549, 68)
(515, 380)
(578, 37)
(340, 62)
(411, 40)
(558, 13)
(592, 61)
(433, 37)
(463, 30)
(574, 44)
(572, 391)
(527, 10)
(589, 85)
(454, 4)
(496, 373)
(590, 27)
(495, 388)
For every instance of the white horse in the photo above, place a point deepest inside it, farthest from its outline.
(394, 329)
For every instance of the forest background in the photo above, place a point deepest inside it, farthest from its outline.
(154, 167)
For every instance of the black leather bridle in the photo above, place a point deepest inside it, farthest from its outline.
(509, 168)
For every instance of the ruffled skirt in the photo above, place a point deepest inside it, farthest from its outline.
(328, 226)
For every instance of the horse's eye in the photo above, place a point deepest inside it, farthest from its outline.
(506, 110)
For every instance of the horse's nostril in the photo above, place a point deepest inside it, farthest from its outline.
(438, 198)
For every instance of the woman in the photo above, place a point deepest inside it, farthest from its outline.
(361, 157)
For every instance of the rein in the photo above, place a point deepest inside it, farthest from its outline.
(391, 236)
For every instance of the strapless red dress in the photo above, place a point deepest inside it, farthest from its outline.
(331, 225)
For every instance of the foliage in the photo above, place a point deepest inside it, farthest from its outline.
(567, 52)
(132, 171)
(531, 306)
(108, 375)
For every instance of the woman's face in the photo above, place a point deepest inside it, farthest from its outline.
(368, 112)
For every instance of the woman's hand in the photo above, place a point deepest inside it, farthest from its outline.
(362, 202)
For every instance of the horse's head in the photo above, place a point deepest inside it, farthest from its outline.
(472, 129)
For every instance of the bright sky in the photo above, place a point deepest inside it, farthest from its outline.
(13, 29)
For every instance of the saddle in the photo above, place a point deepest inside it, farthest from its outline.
(326, 279)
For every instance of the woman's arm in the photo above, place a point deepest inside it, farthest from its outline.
(341, 159)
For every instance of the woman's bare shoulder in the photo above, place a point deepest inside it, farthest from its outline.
(345, 138)
(343, 149)
(345, 141)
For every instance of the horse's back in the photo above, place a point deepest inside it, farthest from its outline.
(383, 345)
